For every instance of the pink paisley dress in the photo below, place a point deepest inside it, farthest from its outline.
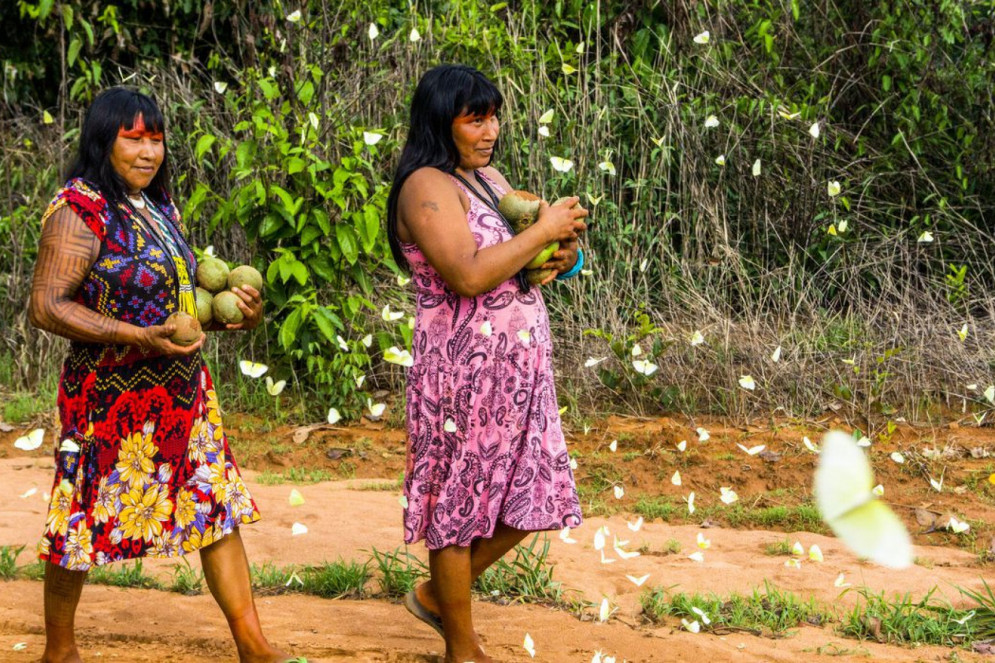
(484, 437)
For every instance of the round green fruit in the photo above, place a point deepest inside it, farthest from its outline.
(212, 274)
(564, 199)
(543, 256)
(521, 208)
(204, 301)
(245, 275)
(537, 276)
(188, 329)
(225, 308)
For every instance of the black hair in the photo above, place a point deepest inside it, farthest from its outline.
(444, 93)
(111, 110)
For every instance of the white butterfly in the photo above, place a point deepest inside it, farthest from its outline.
(396, 355)
(560, 164)
(701, 613)
(925, 238)
(252, 369)
(645, 367)
(373, 31)
(843, 225)
(297, 529)
(529, 645)
(703, 435)
(547, 117)
(613, 446)
(619, 492)
(813, 130)
(697, 338)
(697, 557)
(690, 501)
(403, 280)
(333, 416)
(703, 543)
(897, 457)
(360, 379)
(833, 189)
(376, 410)
(702, 38)
(591, 361)
(605, 611)
(524, 336)
(275, 388)
(643, 264)
(864, 441)
(296, 499)
(840, 581)
(403, 501)
(783, 112)
(390, 316)
(808, 445)
(711, 121)
(606, 560)
(776, 356)
(594, 200)
(990, 393)
(937, 485)
(638, 582)
(682, 445)
(693, 627)
(676, 479)
(295, 16)
(753, 451)
(565, 536)
(798, 548)
(727, 495)
(28, 493)
(756, 168)
(793, 563)
(220, 87)
(843, 492)
(636, 350)
(607, 166)
(367, 340)
(414, 35)
(720, 160)
(878, 490)
(599, 539)
(485, 328)
(449, 426)
(634, 526)
(31, 441)
(957, 526)
(342, 343)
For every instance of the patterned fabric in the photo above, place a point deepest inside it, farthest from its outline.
(484, 437)
(156, 477)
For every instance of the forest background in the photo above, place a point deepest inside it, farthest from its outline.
(791, 202)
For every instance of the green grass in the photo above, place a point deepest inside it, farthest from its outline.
(528, 578)
(335, 580)
(186, 580)
(399, 571)
(385, 485)
(804, 516)
(904, 621)
(27, 408)
(770, 612)
(298, 475)
(8, 561)
(124, 575)
(268, 578)
(779, 548)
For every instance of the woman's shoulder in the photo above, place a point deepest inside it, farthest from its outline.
(492, 174)
(86, 201)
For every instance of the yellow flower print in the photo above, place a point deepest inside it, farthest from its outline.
(200, 443)
(58, 512)
(79, 547)
(144, 511)
(186, 509)
(197, 539)
(105, 505)
(135, 457)
(214, 415)
(237, 495)
(44, 547)
(212, 479)
(167, 545)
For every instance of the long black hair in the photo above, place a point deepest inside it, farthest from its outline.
(111, 110)
(443, 94)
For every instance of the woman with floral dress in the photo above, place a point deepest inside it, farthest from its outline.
(143, 468)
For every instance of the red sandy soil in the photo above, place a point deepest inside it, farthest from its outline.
(347, 522)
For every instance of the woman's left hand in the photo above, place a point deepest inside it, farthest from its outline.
(562, 260)
(251, 305)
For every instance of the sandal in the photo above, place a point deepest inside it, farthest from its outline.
(416, 608)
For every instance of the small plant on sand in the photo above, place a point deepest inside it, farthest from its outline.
(336, 580)
(399, 571)
(187, 580)
(8, 561)
(527, 578)
(123, 575)
(268, 578)
(778, 548)
(902, 620)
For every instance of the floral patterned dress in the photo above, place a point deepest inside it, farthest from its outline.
(484, 438)
(155, 475)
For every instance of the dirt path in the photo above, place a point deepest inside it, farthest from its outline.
(346, 521)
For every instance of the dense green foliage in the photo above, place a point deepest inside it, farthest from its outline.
(273, 105)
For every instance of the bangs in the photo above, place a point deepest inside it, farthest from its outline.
(141, 105)
(482, 98)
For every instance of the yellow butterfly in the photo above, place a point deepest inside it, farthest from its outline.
(252, 369)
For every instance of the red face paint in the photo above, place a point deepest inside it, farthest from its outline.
(138, 131)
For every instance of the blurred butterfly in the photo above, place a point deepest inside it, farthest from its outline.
(390, 316)
(925, 238)
(296, 499)
(605, 611)
(252, 369)
(843, 492)
(547, 117)
(594, 200)
(692, 627)
(727, 495)
(591, 361)
(373, 32)
(697, 557)
(720, 160)
(565, 536)
(414, 35)
(813, 130)
(544, 131)
(607, 166)
(647, 368)
(676, 479)
(333, 416)
(711, 121)
(371, 138)
(376, 410)
(275, 388)
(697, 338)
(756, 168)
(753, 451)
(747, 382)
(703, 435)
(702, 38)
(367, 340)
(568, 69)
(297, 529)
(560, 164)
(396, 355)
(638, 582)
(31, 441)
(529, 645)
(833, 189)
(776, 356)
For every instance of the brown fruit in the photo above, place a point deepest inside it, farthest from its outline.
(521, 208)
(245, 275)
(188, 329)
(225, 308)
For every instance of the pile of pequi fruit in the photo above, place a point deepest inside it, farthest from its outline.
(521, 208)
(215, 299)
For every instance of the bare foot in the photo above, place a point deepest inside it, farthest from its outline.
(478, 657)
(273, 655)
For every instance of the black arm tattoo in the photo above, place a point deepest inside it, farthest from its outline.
(430, 204)
(65, 255)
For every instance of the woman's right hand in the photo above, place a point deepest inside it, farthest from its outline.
(561, 222)
(156, 339)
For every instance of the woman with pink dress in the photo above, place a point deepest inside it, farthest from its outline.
(486, 460)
